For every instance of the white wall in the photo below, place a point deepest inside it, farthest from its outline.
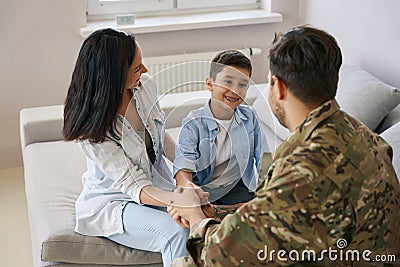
(368, 32)
(39, 42)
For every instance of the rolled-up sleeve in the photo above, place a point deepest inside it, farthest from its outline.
(110, 158)
(186, 153)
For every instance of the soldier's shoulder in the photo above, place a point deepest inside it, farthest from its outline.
(316, 153)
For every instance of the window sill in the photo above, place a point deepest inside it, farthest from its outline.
(187, 22)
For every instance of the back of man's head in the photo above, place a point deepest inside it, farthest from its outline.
(307, 60)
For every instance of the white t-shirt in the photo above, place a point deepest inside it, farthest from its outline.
(226, 171)
(223, 144)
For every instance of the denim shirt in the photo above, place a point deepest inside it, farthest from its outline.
(117, 170)
(195, 150)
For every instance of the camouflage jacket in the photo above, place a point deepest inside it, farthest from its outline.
(331, 191)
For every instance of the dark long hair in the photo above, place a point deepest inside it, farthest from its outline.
(307, 60)
(95, 93)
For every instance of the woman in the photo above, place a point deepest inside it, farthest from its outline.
(120, 127)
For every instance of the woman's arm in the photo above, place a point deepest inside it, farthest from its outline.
(151, 195)
(113, 163)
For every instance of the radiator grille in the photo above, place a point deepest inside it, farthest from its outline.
(183, 72)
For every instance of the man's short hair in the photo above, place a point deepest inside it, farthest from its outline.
(307, 60)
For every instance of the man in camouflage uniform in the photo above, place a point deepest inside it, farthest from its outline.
(331, 185)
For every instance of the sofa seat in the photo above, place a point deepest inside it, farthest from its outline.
(52, 212)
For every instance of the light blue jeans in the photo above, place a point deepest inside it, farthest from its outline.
(152, 229)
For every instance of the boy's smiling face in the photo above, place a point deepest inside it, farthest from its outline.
(230, 85)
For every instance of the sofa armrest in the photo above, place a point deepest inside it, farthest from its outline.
(41, 124)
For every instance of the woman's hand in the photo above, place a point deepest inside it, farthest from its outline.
(187, 204)
(178, 219)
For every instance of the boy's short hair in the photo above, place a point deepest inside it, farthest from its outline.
(231, 58)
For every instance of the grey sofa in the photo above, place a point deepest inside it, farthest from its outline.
(53, 168)
(52, 183)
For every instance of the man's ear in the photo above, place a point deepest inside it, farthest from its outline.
(209, 84)
(281, 89)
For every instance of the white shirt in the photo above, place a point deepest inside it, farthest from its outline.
(117, 170)
(223, 147)
(226, 171)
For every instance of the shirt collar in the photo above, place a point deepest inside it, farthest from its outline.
(239, 115)
(145, 103)
(315, 117)
(304, 130)
(212, 124)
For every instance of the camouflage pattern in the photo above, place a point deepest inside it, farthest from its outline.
(331, 179)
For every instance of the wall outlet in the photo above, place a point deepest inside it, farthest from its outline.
(125, 19)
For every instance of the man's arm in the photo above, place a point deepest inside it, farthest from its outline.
(219, 212)
(280, 217)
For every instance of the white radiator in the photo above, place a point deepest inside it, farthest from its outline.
(184, 72)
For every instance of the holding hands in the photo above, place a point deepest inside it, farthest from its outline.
(186, 207)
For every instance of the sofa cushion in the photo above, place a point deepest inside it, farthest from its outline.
(265, 115)
(364, 96)
(271, 141)
(391, 119)
(53, 173)
(359, 93)
(174, 132)
(392, 136)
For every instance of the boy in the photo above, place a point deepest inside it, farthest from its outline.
(219, 145)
